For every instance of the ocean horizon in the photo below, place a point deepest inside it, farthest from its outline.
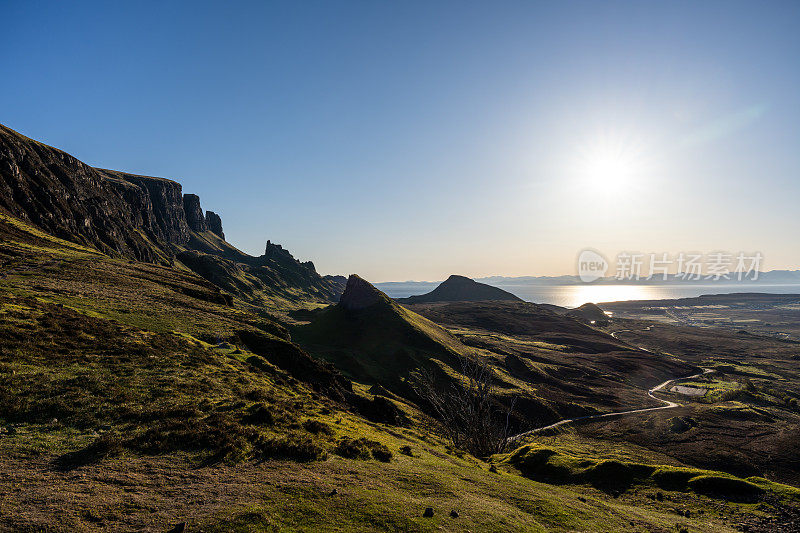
(573, 295)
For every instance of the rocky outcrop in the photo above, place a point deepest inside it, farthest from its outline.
(214, 224)
(193, 213)
(359, 294)
(461, 289)
(273, 251)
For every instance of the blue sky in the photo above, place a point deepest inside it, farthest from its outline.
(411, 140)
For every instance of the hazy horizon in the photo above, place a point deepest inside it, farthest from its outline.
(411, 141)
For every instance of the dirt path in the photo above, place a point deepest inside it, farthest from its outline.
(651, 393)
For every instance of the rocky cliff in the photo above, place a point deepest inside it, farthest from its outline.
(143, 218)
(73, 201)
(214, 223)
(194, 213)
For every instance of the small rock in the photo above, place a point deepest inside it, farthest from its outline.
(453, 514)
(428, 512)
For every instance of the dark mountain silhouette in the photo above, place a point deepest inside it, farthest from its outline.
(461, 289)
(372, 338)
(144, 218)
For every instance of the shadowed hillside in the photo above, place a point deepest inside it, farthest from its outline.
(373, 339)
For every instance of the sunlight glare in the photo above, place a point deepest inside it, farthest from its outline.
(610, 164)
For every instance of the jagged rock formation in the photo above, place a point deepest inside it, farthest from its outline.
(360, 294)
(461, 289)
(214, 223)
(144, 218)
(194, 214)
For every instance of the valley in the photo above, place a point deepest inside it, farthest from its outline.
(154, 377)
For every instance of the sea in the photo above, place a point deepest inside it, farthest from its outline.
(573, 295)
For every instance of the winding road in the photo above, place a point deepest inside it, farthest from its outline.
(651, 393)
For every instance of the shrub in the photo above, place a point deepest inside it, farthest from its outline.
(362, 449)
(260, 415)
(381, 453)
(470, 412)
(225, 438)
(380, 410)
(292, 446)
(316, 427)
(351, 449)
(678, 424)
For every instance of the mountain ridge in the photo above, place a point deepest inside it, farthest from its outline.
(143, 218)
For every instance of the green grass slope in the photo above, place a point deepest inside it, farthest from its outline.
(372, 339)
(136, 397)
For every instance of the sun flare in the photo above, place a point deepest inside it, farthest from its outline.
(610, 164)
(610, 169)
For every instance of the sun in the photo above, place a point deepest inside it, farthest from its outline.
(610, 164)
(610, 169)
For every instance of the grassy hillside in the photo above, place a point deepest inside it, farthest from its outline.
(379, 344)
(139, 397)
